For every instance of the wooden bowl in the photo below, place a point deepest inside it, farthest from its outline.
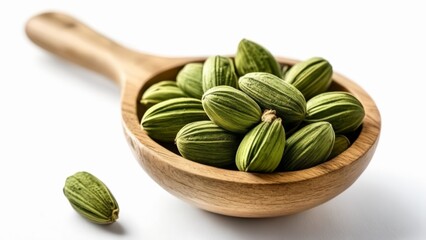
(221, 191)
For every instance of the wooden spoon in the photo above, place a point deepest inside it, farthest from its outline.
(213, 189)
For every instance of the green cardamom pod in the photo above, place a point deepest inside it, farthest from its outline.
(284, 70)
(343, 110)
(231, 108)
(272, 92)
(311, 77)
(262, 147)
(341, 143)
(161, 91)
(308, 147)
(163, 120)
(252, 57)
(91, 198)
(207, 143)
(219, 70)
(190, 79)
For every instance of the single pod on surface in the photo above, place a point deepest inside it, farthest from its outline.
(262, 147)
(207, 143)
(231, 108)
(190, 79)
(252, 57)
(307, 147)
(163, 120)
(219, 70)
(161, 91)
(91, 198)
(343, 110)
(272, 92)
(311, 77)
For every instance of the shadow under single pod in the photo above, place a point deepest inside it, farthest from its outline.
(115, 228)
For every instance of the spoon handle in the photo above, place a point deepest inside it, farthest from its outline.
(70, 39)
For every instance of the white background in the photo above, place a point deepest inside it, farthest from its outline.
(57, 118)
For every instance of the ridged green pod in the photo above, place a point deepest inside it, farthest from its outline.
(163, 120)
(207, 143)
(262, 147)
(308, 147)
(190, 79)
(161, 91)
(311, 77)
(341, 143)
(219, 70)
(252, 57)
(343, 110)
(272, 92)
(231, 108)
(91, 198)
(284, 70)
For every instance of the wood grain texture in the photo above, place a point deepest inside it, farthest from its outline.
(217, 190)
